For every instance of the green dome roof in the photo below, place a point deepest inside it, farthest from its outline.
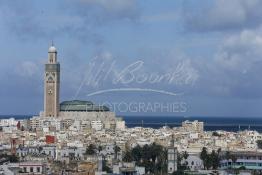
(81, 106)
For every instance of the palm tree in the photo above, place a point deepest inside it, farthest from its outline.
(214, 159)
(116, 150)
(204, 156)
(137, 153)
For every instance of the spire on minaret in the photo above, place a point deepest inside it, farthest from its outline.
(52, 54)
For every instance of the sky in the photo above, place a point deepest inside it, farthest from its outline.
(203, 58)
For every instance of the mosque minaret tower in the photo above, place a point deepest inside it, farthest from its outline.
(52, 84)
(67, 112)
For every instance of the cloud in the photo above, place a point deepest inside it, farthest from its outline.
(27, 69)
(233, 70)
(30, 21)
(241, 51)
(223, 15)
(103, 11)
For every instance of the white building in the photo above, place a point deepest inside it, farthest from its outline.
(193, 126)
(120, 125)
(8, 122)
(97, 125)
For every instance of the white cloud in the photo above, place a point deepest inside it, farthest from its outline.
(241, 51)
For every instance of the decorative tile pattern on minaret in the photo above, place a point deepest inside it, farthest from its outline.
(52, 84)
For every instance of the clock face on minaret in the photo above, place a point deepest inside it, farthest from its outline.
(52, 84)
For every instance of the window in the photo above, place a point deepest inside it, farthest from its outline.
(24, 169)
(31, 169)
(38, 169)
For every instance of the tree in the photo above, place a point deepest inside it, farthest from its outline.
(218, 151)
(162, 161)
(91, 149)
(259, 144)
(204, 157)
(228, 157)
(185, 155)
(137, 153)
(208, 161)
(211, 160)
(13, 158)
(153, 157)
(116, 150)
(234, 159)
(105, 167)
(100, 148)
(216, 134)
(40, 149)
(179, 172)
(214, 158)
(128, 156)
(242, 168)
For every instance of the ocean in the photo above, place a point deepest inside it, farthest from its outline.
(210, 123)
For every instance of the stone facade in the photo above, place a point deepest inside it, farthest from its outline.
(52, 84)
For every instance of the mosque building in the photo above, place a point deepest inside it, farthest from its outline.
(75, 109)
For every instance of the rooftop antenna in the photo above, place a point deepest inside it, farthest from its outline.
(52, 44)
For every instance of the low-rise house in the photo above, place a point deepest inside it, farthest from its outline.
(247, 160)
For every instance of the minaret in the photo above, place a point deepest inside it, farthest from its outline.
(171, 157)
(52, 84)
